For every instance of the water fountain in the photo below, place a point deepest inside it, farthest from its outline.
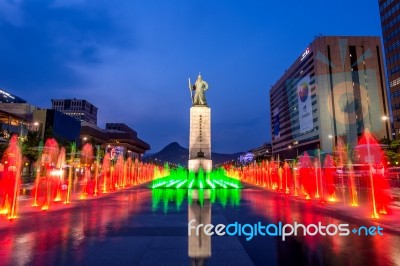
(369, 152)
(47, 177)
(10, 179)
(329, 171)
(316, 181)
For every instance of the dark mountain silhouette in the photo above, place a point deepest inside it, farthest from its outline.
(176, 154)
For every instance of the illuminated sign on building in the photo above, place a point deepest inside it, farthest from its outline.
(116, 151)
(6, 94)
(304, 55)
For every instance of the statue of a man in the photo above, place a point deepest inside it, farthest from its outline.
(199, 88)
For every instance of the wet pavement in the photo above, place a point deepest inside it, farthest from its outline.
(132, 227)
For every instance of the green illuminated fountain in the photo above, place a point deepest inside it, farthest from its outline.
(181, 178)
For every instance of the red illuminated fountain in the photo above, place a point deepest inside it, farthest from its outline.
(316, 181)
(62, 179)
(307, 176)
(106, 184)
(369, 152)
(48, 177)
(10, 179)
(329, 171)
(86, 163)
(287, 173)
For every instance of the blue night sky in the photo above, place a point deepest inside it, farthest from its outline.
(132, 59)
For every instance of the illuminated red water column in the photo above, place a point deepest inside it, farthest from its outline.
(47, 185)
(329, 171)
(86, 163)
(10, 178)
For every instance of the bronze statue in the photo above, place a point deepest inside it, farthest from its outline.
(199, 88)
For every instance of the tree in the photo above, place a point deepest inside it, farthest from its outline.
(30, 151)
(393, 152)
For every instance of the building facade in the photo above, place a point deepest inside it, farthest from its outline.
(58, 124)
(80, 109)
(334, 89)
(262, 152)
(117, 139)
(390, 21)
(11, 123)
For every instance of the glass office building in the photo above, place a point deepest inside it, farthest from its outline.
(334, 89)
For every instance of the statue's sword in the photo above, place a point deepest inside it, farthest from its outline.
(191, 93)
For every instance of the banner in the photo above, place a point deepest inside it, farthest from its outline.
(304, 104)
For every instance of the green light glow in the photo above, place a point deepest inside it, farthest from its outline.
(181, 178)
(173, 182)
(210, 183)
(168, 199)
(191, 184)
(181, 184)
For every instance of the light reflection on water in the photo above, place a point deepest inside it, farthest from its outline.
(42, 238)
(321, 250)
(166, 197)
(46, 238)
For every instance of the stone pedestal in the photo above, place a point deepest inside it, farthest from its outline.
(200, 139)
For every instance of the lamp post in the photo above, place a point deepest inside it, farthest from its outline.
(387, 120)
(37, 124)
(332, 140)
(296, 143)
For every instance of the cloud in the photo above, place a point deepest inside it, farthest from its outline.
(41, 52)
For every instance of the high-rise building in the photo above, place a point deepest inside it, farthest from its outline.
(390, 21)
(334, 89)
(80, 109)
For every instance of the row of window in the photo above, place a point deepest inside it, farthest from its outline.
(73, 108)
(76, 103)
(385, 5)
(390, 12)
(393, 46)
(393, 34)
(394, 82)
(395, 94)
(394, 70)
(391, 23)
(396, 106)
(58, 103)
(393, 58)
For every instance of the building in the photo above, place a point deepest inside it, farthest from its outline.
(24, 110)
(6, 97)
(80, 109)
(58, 124)
(117, 138)
(16, 118)
(11, 123)
(121, 127)
(390, 21)
(262, 152)
(334, 89)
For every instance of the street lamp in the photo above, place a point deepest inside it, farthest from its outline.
(41, 125)
(386, 119)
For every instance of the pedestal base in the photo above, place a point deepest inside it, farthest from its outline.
(195, 164)
(200, 136)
